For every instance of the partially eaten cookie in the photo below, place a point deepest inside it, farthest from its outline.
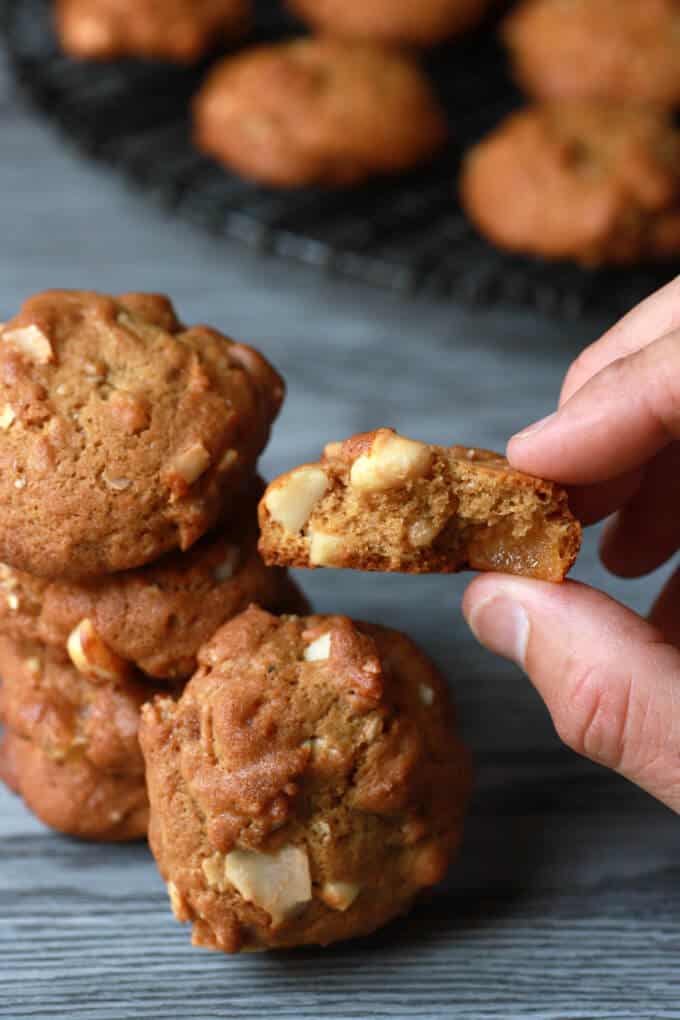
(380, 501)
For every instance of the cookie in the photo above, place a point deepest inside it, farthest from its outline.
(607, 50)
(123, 434)
(588, 182)
(70, 744)
(317, 111)
(154, 618)
(391, 22)
(307, 785)
(175, 30)
(379, 501)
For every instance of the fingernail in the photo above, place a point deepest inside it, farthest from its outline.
(501, 625)
(531, 430)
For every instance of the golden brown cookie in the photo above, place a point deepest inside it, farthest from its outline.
(122, 434)
(307, 785)
(70, 745)
(176, 30)
(379, 501)
(608, 50)
(317, 111)
(154, 617)
(583, 181)
(392, 22)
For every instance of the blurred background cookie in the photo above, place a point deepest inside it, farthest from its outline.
(411, 22)
(618, 50)
(590, 182)
(308, 784)
(176, 30)
(318, 111)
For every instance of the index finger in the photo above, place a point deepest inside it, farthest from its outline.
(654, 317)
(612, 425)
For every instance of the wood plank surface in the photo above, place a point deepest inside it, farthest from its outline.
(565, 902)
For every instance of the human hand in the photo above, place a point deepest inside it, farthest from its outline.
(610, 680)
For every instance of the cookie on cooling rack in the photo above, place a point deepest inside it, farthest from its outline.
(614, 50)
(308, 784)
(594, 183)
(379, 501)
(174, 30)
(123, 434)
(420, 23)
(318, 111)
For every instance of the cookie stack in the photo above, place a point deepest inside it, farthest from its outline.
(128, 448)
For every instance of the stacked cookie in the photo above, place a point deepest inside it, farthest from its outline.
(128, 446)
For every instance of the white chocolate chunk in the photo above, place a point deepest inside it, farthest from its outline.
(7, 416)
(191, 463)
(426, 694)
(339, 895)
(91, 656)
(31, 341)
(279, 883)
(319, 649)
(291, 502)
(391, 462)
(325, 550)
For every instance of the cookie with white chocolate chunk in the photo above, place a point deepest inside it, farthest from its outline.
(379, 501)
(123, 434)
(307, 785)
(70, 747)
(154, 617)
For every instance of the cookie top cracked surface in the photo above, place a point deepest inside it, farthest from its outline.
(318, 111)
(123, 434)
(306, 786)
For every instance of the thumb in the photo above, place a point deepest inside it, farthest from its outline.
(611, 685)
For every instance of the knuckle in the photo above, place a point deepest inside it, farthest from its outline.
(578, 373)
(593, 719)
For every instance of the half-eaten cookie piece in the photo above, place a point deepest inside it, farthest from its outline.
(379, 501)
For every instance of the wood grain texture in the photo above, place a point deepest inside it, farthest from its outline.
(565, 903)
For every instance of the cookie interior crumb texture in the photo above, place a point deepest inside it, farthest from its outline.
(123, 434)
(306, 786)
(318, 111)
(379, 501)
(175, 30)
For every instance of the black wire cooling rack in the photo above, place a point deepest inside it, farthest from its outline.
(407, 233)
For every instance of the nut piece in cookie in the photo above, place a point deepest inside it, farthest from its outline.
(125, 434)
(392, 503)
(317, 111)
(391, 22)
(620, 51)
(70, 745)
(590, 182)
(156, 617)
(302, 790)
(175, 30)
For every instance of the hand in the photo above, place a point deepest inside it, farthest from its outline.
(610, 679)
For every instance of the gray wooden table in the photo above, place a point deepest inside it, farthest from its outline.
(565, 902)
